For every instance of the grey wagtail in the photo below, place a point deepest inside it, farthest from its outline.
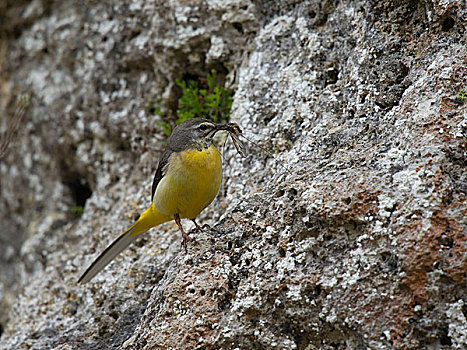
(187, 180)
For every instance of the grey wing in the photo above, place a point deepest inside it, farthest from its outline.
(160, 172)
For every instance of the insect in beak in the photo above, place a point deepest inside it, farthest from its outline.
(234, 131)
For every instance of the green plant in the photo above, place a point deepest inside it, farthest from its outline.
(462, 95)
(154, 107)
(77, 211)
(202, 98)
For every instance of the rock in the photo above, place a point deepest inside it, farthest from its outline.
(345, 227)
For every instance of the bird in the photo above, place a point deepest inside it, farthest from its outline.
(187, 180)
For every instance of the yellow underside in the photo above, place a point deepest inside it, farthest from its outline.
(190, 184)
(149, 218)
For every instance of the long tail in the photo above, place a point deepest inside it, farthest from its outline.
(149, 218)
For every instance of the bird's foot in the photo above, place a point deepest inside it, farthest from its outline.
(198, 228)
(185, 236)
(186, 239)
(195, 229)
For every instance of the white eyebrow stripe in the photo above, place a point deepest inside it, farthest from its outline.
(205, 123)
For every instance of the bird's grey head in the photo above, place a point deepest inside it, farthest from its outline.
(193, 133)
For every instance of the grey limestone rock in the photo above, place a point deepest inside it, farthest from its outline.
(344, 228)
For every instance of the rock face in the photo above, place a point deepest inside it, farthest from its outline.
(344, 228)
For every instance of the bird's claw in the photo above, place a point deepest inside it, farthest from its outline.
(199, 228)
(186, 239)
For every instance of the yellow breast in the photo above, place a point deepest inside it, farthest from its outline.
(190, 184)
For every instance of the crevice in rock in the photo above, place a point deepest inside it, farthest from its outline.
(78, 184)
(445, 338)
(447, 24)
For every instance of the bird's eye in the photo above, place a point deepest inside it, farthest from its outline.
(203, 127)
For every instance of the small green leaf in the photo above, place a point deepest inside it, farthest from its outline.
(462, 95)
(77, 210)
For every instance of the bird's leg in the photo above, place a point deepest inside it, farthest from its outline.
(185, 236)
(199, 228)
